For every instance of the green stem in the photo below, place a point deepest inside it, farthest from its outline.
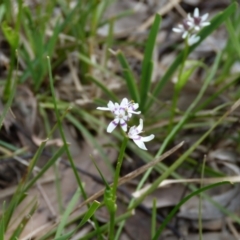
(177, 88)
(118, 167)
(114, 188)
(111, 225)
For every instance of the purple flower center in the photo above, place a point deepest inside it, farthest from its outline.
(186, 25)
(197, 20)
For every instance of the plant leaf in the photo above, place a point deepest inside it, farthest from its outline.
(145, 81)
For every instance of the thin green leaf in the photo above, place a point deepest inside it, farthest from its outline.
(24, 222)
(154, 217)
(104, 88)
(186, 74)
(34, 160)
(2, 12)
(67, 212)
(100, 173)
(233, 36)
(49, 163)
(104, 228)
(65, 236)
(90, 212)
(215, 23)
(145, 81)
(129, 77)
(11, 35)
(2, 222)
(175, 209)
(9, 102)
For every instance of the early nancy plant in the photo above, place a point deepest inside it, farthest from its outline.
(122, 113)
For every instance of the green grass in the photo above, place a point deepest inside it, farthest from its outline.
(41, 41)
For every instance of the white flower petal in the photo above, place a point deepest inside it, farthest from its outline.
(130, 111)
(196, 12)
(204, 17)
(116, 106)
(140, 126)
(103, 108)
(197, 28)
(111, 105)
(189, 17)
(112, 125)
(140, 144)
(132, 132)
(123, 125)
(177, 30)
(184, 35)
(135, 106)
(181, 26)
(205, 24)
(193, 39)
(148, 138)
(124, 103)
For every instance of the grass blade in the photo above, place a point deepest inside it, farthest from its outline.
(67, 212)
(92, 209)
(145, 81)
(2, 222)
(154, 215)
(24, 222)
(129, 77)
(109, 93)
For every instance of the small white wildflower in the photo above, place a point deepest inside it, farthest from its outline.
(183, 28)
(197, 22)
(120, 118)
(122, 113)
(191, 25)
(192, 39)
(130, 107)
(139, 140)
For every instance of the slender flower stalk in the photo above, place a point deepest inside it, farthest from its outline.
(115, 185)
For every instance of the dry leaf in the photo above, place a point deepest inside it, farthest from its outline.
(229, 200)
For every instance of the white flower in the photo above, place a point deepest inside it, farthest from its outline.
(130, 107)
(184, 28)
(192, 39)
(192, 25)
(122, 113)
(139, 140)
(197, 22)
(120, 118)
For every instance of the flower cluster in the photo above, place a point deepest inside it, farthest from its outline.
(122, 114)
(191, 25)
